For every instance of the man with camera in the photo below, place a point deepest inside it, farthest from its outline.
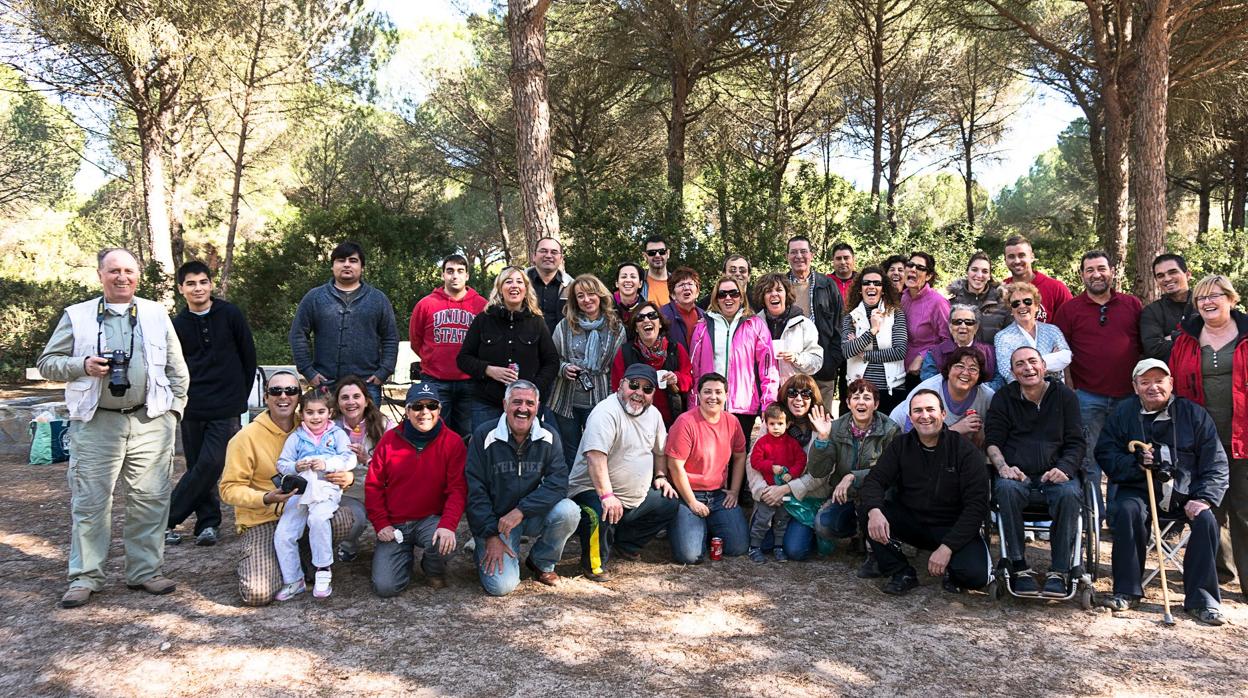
(125, 389)
(251, 485)
(1176, 439)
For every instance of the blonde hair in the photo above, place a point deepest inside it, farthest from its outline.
(606, 306)
(1219, 282)
(530, 298)
(745, 311)
(1023, 287)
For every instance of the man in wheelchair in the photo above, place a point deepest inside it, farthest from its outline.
(1179, 443)
(1035, 442)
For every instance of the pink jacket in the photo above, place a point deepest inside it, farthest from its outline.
(753, 377)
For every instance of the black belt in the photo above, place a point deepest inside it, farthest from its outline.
(127, 410)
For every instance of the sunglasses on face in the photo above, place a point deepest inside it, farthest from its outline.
(968, 322)
(800, 392)
(728, 293)
(652, 253)
(872, 282)
(424, 406)
(647, 316)
(1022, 301)
(643, 387)
(289, 390)
(916, 266)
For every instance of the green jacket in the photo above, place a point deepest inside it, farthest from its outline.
(841, 455)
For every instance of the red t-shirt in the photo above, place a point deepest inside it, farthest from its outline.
(1103, 356)
(1053, 295)
(706, 448)
(842, 285)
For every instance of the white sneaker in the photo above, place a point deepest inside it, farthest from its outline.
(291, 590)
(322, 589)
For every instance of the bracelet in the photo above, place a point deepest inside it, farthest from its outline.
(605, 497)
(660, 475)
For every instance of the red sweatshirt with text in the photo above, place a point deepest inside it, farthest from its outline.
(437, 330)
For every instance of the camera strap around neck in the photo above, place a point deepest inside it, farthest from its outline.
(132, 311)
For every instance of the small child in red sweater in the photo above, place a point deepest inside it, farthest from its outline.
(780, 458)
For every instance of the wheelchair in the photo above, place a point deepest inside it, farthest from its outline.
(1085, 554)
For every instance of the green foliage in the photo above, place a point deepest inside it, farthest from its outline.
(29, 312)
(1215, 252)
(37, 146)
(401, 255)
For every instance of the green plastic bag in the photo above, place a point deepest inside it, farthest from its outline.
(49, 441)
(804, 511)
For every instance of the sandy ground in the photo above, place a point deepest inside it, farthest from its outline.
(724, 628)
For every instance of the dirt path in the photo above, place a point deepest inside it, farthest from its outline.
(726, 628)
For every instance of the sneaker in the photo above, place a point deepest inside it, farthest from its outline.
(1208, 616)
(344, 555)
(75, 597)
(291, 590)
(781, 556)
(1120, 602)
(1024, 582)
(1054, 584)
(870, 569)
(756, 555)
(172, 537)
(901, 583)
(207, 537)
(323, 589)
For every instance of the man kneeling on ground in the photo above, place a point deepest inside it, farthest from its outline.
(1179, 433)
(940, 498)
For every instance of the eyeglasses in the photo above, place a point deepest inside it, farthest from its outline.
(290, 390)
(646, 316)
(1022, 301)
(652, 253)
(728, 293)
(1104, 312)
(967, 321)
(871, 282)
(1211, 296)
(916, 266)
(800, 392)
(638, 385)
(425, 406)
(966, 368)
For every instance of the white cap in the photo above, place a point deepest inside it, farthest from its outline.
(1148, 365)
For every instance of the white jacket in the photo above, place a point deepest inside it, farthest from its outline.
(801, 337)
(856, 366)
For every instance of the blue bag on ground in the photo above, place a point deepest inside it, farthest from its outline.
(49, 440)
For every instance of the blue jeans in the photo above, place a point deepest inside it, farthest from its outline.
(570, 430)
(836, 520)
(456, 399)
(690, 533)
(798, 542)
(481, 413)
(551, 532)
(1093, 409)
(1064, 503)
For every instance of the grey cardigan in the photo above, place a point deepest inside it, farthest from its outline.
(332, 339)
(560, 401)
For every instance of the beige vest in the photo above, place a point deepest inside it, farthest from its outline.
(82, 395)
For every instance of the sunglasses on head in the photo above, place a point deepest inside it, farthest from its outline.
(871, 282)
(1021, 301)
(638, 385)
(652, 253)
(728, 293)
(651, 315)
(291, 390)
(425, 406)
(969, 322)
(800, 392)
(916, 266)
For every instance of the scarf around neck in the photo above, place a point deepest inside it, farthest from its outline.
(420, 439)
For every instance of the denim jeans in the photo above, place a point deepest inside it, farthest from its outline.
(690, 533)
(1093, 409)
(1064, 502)
(456, 399)
(637, 527)
(798, 541)
(392, 560)
(481, 413)
(570, 430)
(836, 520)
(551, 533)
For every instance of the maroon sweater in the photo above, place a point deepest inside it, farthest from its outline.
(403, 485)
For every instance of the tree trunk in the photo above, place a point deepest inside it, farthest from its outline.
(1239, 183)
(968, 179)
(1152, 90)
(155, 191)
(236, 192)
(526, 29)
(677, 122)
(721, 199)
(496, 191)
(1205, 197)
(877, 107)
(1117, 175)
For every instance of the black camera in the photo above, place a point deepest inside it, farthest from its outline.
(585, 380)
(1163, 470)
(290, 483)
(118, 372)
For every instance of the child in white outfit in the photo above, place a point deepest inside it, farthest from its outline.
(316, 447)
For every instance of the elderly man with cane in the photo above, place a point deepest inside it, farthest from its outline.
(1164, 454)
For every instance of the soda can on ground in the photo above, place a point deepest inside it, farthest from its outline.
(717, 548)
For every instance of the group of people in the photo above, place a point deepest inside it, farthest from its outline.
(557, 407)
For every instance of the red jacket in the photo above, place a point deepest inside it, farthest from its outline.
(437, 330)
(679, 364)
(1185, 369)
(771, 450)
(405, 485)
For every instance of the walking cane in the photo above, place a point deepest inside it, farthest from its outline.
(1152, 506)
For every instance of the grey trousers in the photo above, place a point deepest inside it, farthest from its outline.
(392, 561)
(764, 519)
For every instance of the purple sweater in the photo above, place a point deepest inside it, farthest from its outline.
(927, 319)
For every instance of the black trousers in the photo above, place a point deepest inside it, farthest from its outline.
(1132, 530)
(203, 443)
(968, 567)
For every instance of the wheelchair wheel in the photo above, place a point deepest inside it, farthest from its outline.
(1092, 536)
(1085, 597)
